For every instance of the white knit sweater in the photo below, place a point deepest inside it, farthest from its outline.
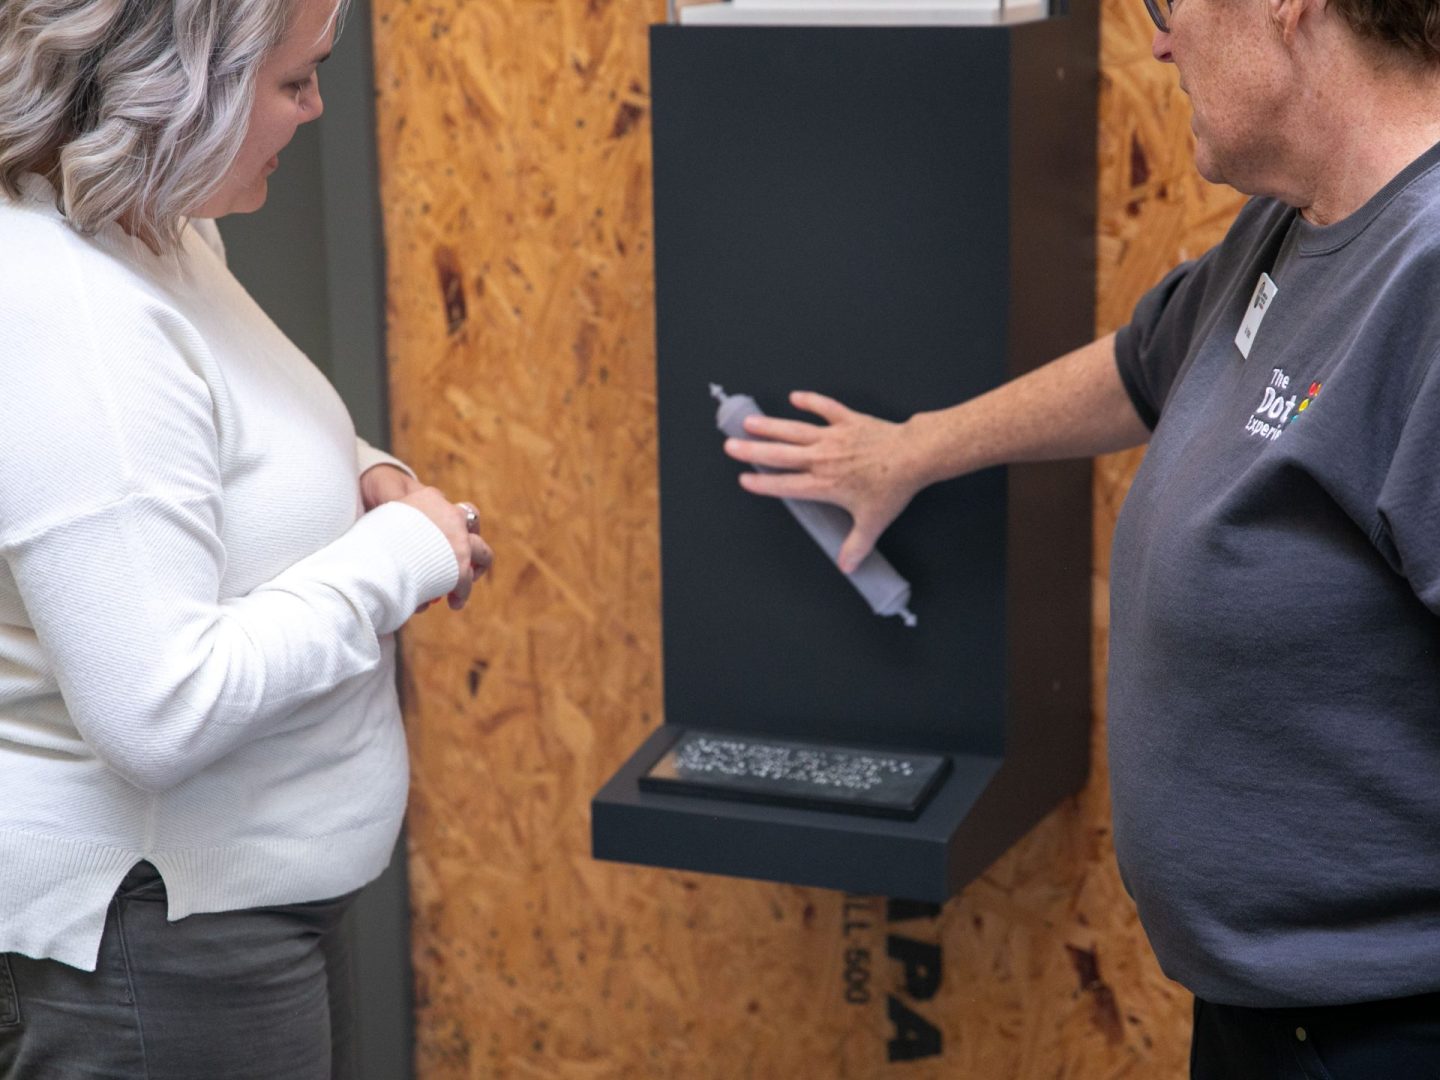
(196, 619)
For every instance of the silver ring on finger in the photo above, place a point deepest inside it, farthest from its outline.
(472, 517)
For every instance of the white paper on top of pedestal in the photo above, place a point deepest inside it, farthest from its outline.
(869, 6)
(862, 13)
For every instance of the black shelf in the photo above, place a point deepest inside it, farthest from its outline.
(901, 218)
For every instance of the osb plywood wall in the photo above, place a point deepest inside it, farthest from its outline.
(514, 142)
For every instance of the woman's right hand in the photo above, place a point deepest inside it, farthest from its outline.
(472, 554)
(868, 466)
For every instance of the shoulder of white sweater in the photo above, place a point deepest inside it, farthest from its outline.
(89, 347)
(45, 257)
(65, 296)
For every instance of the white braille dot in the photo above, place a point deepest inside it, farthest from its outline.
(1300, 1034)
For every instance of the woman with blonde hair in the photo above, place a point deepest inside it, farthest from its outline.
(201, 567)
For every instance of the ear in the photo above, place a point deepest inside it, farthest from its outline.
(1290, 16)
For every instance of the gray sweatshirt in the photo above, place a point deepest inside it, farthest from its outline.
(1274, 688)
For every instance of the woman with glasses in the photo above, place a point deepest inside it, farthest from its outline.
(1274, 683)
(201, 568)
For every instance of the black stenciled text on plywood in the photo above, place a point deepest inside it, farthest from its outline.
(859, 918)
(912, 1035)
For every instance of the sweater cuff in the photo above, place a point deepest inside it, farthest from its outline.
(420, 548)
(390, 562)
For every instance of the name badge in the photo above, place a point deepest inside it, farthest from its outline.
(1260, 301)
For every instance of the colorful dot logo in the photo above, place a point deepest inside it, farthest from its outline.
(1300, 410)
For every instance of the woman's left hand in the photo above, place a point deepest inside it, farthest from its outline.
(380, 484)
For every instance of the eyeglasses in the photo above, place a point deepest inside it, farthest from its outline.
(1161, 17)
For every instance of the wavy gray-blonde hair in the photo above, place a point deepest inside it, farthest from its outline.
(134, 109)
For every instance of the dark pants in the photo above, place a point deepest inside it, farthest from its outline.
(1377, 1040)
(260, 994)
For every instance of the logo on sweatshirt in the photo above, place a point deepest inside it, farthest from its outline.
(1279, 407)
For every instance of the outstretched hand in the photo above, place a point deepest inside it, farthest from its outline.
(858, 462)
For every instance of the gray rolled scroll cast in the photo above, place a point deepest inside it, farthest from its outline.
(883, 588)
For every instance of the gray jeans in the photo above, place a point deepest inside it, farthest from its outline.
(259, 994)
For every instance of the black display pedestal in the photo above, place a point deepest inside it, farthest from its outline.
(901, 218)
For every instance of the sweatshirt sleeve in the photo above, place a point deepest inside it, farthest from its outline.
(1407, 530)
(1152, 347)
(111, 515)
